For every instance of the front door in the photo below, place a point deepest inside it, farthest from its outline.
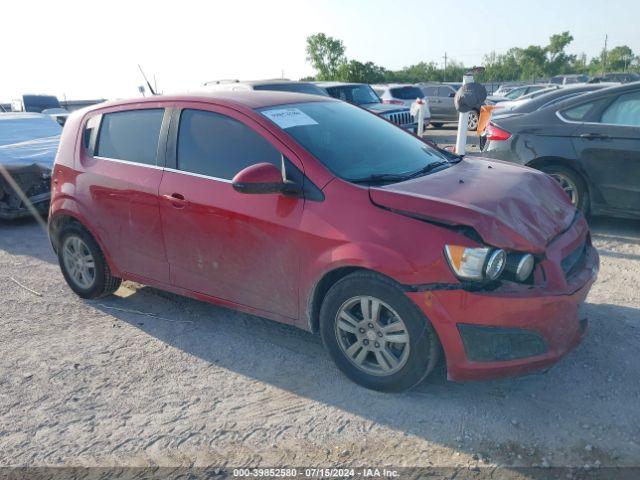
(609, 148)
(238, 247)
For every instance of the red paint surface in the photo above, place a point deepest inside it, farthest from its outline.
(264, 254)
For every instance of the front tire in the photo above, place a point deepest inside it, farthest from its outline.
(437, 124)
(376, 335)
(572, 184)
(83, 265)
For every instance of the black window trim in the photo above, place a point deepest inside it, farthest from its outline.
(160, 151)
(309, 189)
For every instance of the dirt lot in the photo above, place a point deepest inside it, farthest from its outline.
(87, 383)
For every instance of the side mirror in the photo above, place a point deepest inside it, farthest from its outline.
(452, 94)
(263, 178)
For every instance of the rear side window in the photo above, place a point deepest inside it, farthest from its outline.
(131, 135)
(430, 91)
(625, 110)
(218, 146)
(407, 93)
(578, 113)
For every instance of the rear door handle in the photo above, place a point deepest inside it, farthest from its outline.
(594, 136)
(176, 199)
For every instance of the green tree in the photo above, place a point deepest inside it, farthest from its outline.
(619, 58)
(326, 54)
(355, 71)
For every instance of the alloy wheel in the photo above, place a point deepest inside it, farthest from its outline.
(472, 122)
(568, 185)
(372, 336)
(79, 262)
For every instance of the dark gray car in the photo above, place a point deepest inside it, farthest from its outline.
(440, 97)
(589, 143)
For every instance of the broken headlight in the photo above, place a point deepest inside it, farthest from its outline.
(476, 264)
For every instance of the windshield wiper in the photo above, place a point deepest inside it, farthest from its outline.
(427, 168)
(380, 178)
(398, 177)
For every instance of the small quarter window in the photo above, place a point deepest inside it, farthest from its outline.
(131, 135)
(578, 113)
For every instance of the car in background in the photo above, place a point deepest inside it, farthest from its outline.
(543, 98)
(625, 77)
(569, 79)
(28, 145)
(313, 212)
(506, 88)
(364, 96)
(398, 93)
(518, 92)
(34, 103)
(537, 100)
(443, 110)
(278, 85)
(589, 143)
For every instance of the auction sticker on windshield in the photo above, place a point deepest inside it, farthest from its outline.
(289, 117)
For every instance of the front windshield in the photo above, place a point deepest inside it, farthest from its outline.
(353, 143)
(356, 94)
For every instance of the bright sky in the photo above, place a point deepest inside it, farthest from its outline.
(90, 49)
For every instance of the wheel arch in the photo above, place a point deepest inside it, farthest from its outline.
(541, 162)
(63, 218)
(327, 280)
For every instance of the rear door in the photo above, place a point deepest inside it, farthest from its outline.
(236, 247)
(447, 106)
(608, 145)
(121, 169)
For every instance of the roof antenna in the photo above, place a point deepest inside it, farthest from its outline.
(153, 92)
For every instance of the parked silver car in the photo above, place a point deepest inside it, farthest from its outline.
(443, 110)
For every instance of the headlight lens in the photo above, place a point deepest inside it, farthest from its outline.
(525, 267)
(476, 263)
(496, 263)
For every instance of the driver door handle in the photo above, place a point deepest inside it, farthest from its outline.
(594, 136)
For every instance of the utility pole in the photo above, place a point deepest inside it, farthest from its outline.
(604, 55)
(444, 72)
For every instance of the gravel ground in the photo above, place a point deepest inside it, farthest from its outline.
(94, 383)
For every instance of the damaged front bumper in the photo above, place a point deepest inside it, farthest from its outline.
(514, 329)
(34, 183)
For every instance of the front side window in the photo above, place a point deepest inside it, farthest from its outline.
(218, 146)
(625, 110)
(352, 143)
(131, 135)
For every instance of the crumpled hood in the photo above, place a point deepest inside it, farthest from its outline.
(510, 206)
(39, 151)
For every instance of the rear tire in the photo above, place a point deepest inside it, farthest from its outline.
(83, 264)
(573, 185)
(390, 351)
(437, 125)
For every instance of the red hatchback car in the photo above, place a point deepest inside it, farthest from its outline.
(314, 212)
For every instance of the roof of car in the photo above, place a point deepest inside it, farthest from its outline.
(250, 98)
(328, 84)
(268, 81)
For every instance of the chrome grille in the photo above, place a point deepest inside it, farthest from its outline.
(400, 118)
